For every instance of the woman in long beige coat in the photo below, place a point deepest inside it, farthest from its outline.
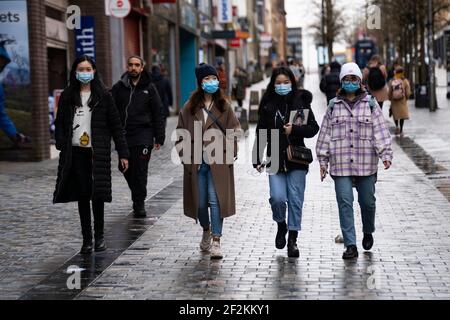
(207, 147)
(399, 91)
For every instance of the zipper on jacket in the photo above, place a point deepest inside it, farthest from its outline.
(126, 109)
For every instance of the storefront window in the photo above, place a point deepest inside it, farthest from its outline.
(161, 44)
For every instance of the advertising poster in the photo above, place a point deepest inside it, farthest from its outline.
(15, 76)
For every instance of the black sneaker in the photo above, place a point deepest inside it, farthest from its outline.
(367, 241)
(280, 240)
(139, 209)
(351, 252)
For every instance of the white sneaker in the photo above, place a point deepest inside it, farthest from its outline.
(205, 244)
(216, 253)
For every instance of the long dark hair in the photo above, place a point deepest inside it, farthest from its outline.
(74, 86)
(270, 93)
(197, 100)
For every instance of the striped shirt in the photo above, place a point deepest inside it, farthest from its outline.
(352, 139)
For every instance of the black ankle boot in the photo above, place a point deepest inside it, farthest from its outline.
(350, 253)
(292, 244)
(86, 248)
(280, 240)
(367, 241)
(100, 244)
(139, 209)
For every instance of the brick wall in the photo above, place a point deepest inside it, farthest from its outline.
(39, 81)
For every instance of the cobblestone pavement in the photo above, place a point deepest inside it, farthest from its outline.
(38, 237)
(427, 137)
(410, 258)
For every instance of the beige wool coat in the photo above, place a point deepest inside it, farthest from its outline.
(223, 174)
(400, 107)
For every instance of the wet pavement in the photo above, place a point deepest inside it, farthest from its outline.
(158, 257)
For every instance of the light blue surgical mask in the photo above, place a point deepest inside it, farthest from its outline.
(283, 89)
(210, 86)
(350, 86)
(85, 77)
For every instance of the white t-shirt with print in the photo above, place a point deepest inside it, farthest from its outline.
(82, 123)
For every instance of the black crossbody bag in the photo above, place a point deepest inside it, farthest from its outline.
(297, 154)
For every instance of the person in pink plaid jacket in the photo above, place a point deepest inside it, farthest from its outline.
(352, 139)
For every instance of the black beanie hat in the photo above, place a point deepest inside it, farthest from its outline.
(203, 70)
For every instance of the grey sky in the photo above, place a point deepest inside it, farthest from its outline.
(303, 13)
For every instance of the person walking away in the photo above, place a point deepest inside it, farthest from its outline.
(399, 92)
(223, 81)
(330, 83)
(240, 85)
(210, 181)
(352, 138)
(374, 76)
(140, 110)
(287, 110)
(164, 89)
(86, 120)
(301, 82)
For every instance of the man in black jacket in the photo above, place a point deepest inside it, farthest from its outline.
(164, 88)
(331, 82)
(140, 109)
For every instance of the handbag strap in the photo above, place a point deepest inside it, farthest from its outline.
(216, 121)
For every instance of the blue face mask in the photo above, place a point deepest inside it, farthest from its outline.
(85, 77)
(350, 86)
(283, 89)
(210, 86)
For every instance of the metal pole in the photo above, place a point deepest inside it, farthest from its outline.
(432, 84)
(323, 31)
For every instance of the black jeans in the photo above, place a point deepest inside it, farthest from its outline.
(81, 182)
(137, 173)
(84, 209)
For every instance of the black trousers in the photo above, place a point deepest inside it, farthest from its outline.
(137, 173)
(81, 184)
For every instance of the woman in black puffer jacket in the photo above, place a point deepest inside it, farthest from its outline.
(287, 110)
(86, 120)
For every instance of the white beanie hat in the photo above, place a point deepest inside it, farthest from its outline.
(350, 68)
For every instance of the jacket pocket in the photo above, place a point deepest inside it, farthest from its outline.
(338, 128)
(365, 127)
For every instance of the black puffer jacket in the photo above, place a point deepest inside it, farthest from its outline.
(269, 120)
(330, 83)
(140, 110)
(105, 123)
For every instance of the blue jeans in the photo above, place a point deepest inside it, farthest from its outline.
(208, 195)
(288, 188)
(367, 201)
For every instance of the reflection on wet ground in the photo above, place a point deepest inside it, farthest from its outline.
(118, 239)
(436, 172)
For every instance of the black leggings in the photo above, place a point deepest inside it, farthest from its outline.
(402, 122)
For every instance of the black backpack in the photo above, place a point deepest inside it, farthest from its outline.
(376, 80)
